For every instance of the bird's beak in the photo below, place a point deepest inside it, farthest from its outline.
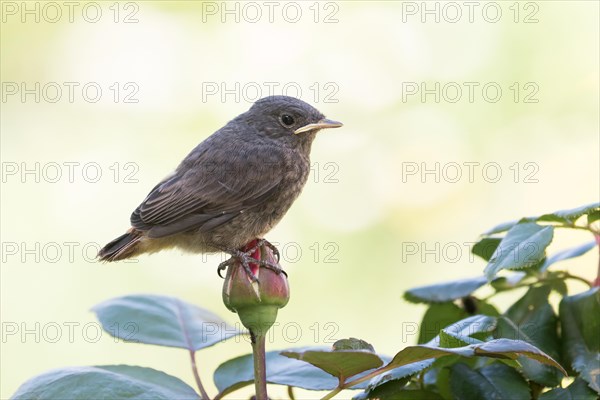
(322, 124)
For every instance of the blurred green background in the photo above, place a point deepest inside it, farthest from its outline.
(344, 242)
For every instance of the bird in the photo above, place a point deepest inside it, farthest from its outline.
(232, 188)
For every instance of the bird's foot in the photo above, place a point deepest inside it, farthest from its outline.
(250, 258)
(273, 267)
(252, 248)
(245, 258)
(265, 242)
(224, 265)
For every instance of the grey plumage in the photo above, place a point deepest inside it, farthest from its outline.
(233, 187)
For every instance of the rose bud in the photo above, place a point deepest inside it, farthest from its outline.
(256, 299)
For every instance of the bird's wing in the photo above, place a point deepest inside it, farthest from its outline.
(208, 192)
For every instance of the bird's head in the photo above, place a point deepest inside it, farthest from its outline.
(288, 121)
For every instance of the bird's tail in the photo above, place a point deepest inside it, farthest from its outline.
(121, 248)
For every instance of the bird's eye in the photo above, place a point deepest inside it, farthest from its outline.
(287, 120)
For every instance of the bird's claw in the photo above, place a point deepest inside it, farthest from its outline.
(265, 242)
(266, 264)
(245, 258)
(242, 257)
(223, 266)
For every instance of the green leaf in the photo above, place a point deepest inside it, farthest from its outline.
(464, 332)
(570, 216)
(340, 363)
(563, 216)
(443, 292)
(578, 390)
(498, 348)
(567, 254)
(508, 282)
(450, 341)
(495, 381)
(512, 349)
(486, 247)
(473, 326)
(532, 319)
(523, 246)
(438, 316)
(549, 218)
(352, 344)
(580, 326)
(162, 320)
(239, 372)
(559, 285)
(438, 379)
(399, 375)
(394, 391)
(443, 384)
(455, 335)
(593, 217)
(108, 382)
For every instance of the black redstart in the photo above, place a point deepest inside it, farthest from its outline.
(232, 188)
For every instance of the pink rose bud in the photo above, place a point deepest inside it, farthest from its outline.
(256, 301)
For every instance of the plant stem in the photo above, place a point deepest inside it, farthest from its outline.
(597, 281)
(583, 228)
(291, 393)
(564, 275)
(364, 378)
(260, 367)
(577, 278)
(203, 393)
(332, 393)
